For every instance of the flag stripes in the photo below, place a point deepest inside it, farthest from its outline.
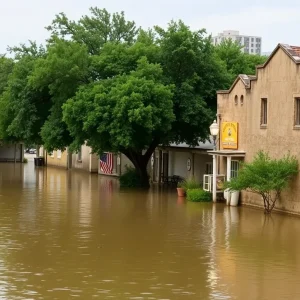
(106, 163)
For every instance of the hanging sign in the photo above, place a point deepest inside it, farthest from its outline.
(188, 164)
(229, 135)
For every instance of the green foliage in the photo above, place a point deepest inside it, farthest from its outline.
(190, 183)
(237, 62)
(24, 108)
(6, 68)
(25, 160)
(265, 176)
(96, 30)
(130, 179)
(198, 195)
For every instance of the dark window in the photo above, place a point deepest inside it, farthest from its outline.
(297, 111)
(236, 100)
(264, 112)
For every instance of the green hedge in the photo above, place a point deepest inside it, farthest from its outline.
(130, 179)
(198, 195)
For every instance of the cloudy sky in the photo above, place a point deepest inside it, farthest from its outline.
(275, 21)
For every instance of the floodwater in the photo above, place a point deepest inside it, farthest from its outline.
(68, 235)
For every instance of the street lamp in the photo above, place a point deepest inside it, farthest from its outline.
(214, 131)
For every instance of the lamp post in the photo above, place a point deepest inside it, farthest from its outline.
(214, 131)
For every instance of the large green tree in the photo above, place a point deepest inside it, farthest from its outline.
(159, 90)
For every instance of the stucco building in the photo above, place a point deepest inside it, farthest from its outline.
(264, 111)
(83, 160)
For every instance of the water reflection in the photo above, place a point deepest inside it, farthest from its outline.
(69, 234)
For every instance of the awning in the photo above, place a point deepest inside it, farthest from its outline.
(232, 153)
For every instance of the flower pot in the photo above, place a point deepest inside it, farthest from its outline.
(227, 196)
(234, 199)
(180, 192)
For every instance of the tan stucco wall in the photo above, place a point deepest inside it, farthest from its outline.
(279, 82)
(58, 162)
(88, 162)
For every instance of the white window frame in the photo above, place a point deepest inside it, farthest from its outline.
(234, 168)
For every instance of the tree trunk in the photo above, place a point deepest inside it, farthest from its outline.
(140, 163)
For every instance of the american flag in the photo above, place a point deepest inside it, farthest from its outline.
(106, 163)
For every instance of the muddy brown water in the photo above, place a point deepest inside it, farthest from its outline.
(68, 235)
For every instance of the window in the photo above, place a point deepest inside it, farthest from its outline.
(258, 40)
(208, 168)
(235, 165)
(51, 154)
(252, 39)
(79, 155)
(264, 112)
(242, 99)
(236, 99)
(297, 112)
(58, 153)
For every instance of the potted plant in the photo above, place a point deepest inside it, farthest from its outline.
(185, 185)
(181, 189)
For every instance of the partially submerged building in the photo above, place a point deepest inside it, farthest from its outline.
(262, 112)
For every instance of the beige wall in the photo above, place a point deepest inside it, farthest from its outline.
(53, 160)
(88, 161)
(279, 82)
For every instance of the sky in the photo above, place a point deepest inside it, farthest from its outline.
(275, 21)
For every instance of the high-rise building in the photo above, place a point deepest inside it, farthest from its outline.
(251, 44)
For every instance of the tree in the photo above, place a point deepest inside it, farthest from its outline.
(160, 89)
(128, 113)
(266, 177)
(23, 108)
(236, 61)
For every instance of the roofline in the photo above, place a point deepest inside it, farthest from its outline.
(239, 77)
(254, 77)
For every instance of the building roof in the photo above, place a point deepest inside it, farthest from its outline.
(207, 145)
(292, 51)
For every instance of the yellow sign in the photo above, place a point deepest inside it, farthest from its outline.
(229, 138)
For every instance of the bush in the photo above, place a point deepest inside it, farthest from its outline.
(265, 176)
(130, 178)
(198, 195)
(25, 160)
(189, 184)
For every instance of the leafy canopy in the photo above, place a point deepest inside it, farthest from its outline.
(237, 62)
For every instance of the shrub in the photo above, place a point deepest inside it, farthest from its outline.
(130, 178)
(198, 195)
(266, 177)
(189, 184)
(25, 160)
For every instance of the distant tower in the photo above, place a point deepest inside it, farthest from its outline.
(250, 44)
